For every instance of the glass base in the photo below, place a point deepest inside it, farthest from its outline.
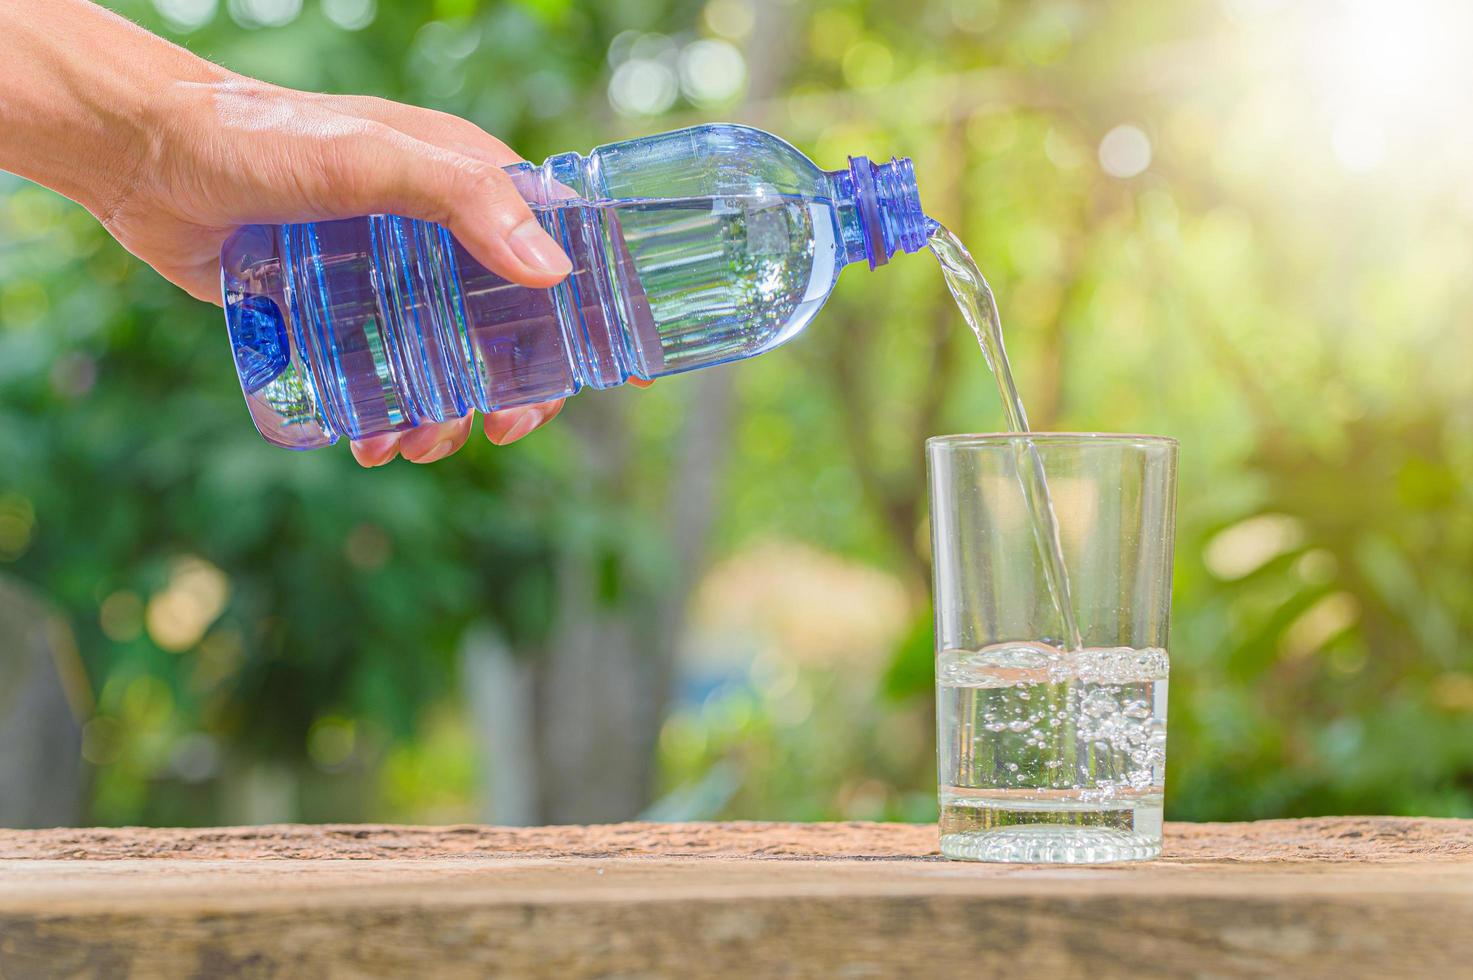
(1050, 845)
(1064, 830)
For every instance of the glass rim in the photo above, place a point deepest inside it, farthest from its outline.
(983, 439)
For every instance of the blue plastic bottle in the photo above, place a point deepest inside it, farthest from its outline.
(689, 249)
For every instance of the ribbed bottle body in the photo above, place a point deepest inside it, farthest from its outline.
(392, 324)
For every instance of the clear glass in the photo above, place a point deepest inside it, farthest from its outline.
(1048, 753)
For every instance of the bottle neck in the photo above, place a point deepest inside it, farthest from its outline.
(879, 210)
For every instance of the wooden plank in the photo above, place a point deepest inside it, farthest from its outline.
(1351, 896)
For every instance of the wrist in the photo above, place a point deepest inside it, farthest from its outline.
(149, 122)
(84, 109)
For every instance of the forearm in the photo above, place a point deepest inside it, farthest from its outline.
(82, 93)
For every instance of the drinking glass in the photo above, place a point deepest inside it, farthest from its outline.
(1051, 748)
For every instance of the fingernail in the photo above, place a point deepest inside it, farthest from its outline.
(378, 450)
(440, 450)
(529, 421)
(536, 248)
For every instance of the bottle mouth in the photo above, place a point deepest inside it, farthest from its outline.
(889, 206)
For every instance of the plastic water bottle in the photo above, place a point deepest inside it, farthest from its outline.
(689, 249)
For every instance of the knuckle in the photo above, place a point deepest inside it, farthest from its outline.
(492, 184)
(484, 179)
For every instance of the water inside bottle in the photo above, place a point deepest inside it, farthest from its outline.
(974, 297)
(724, 277)
(695, 281)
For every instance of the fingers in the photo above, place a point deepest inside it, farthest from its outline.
(435, 441)
(424, 444)
(375, 168)
(428, 443)
(376, 450)
(487, 214)
(429, 126)
(510, 424)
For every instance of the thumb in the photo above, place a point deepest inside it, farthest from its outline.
(475, 199)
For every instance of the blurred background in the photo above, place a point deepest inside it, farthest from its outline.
(1242, 223)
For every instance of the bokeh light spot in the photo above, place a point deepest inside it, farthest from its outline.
(642, 87)
(350, 15)
(331, 742)
(1125, 152)
(1248, 545)
(621, 46)
(196, 594)
(1320, 623)
(186, 15)
(264, 13)
(730, 18)
(1061, 150)
(147, 702)
(712, 72)
(23, 303)
(121, 616)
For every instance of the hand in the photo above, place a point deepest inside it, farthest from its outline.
(236, 151)
(172, 153)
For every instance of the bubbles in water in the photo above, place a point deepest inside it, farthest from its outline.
(1098, 703)
(1053, 729)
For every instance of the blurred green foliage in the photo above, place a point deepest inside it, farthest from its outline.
(1294, 311)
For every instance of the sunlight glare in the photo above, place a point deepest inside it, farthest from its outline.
(1392, 77)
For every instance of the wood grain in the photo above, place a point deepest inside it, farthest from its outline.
(1345, 896)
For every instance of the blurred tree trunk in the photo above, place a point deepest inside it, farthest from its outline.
(597, 687)
(600, 687)
(42, 694)
(499, 690)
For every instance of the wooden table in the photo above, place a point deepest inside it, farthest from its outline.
(1329, 897)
